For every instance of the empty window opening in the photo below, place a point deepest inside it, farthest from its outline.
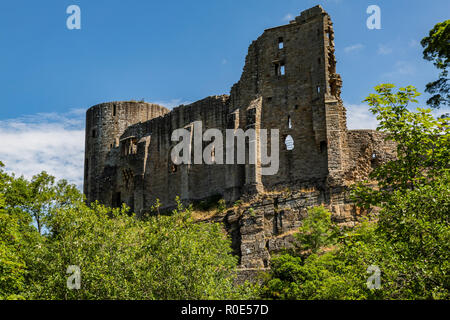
(94, 133)
(289, 142)
(116, 200)
(279, 69)
(289, 122)
(318, 89)
(114, 111)
(296, 107)
(323, 146)
(129, 146)
(374, 155)
(280, 43)
(318, 61)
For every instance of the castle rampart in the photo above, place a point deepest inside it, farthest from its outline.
(289, 82)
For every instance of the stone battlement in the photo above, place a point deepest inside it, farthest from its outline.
(289, 82)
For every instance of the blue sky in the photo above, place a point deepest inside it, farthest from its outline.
(173, 52)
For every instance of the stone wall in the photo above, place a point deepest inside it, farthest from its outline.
(105, 124)
(289, 82)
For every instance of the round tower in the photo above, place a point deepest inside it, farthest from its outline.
(105, 123)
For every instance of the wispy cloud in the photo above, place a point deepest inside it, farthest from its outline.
(288, 17)
(384, 49)
(354, 47)
(401, 68)
(359, 117)
(170, 104)
(49, 142)
(413, 43)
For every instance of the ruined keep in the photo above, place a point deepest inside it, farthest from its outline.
(289, 82)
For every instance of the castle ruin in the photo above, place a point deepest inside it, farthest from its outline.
(289, 82)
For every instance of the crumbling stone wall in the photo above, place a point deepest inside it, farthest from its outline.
(105, 123)
(289, 82)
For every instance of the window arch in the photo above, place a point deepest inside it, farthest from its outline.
(289, 142)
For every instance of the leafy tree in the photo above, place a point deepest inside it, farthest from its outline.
(121, 257)
(423, 152)
(12, 266)
(409, 242)
(437, 49)
(316, 231)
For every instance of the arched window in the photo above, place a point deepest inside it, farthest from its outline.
(289, 142)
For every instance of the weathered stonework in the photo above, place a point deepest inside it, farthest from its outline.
(289, 82)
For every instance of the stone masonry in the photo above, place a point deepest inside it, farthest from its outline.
(289, 82)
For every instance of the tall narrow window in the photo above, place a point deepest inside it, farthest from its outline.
(280, 43)
(289, 122)
(323, 146)
(114, 111)
(279, 69)
(94, 133)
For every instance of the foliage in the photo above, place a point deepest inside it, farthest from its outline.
(12, 265)
(437, 49)
(423, 141)
(120, 256)
(317, 230)
(409, 242)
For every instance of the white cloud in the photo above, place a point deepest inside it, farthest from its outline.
(170, 104)
(45, 142)
(288, 17)
(401, 68)
(384, 49)
(355, 47)
(413, 43)
(359, 117)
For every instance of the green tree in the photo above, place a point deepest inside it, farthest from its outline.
(423, 152)
(12, 266)
(316, 231)
(437, 49)
(121, 257)
(409, 242)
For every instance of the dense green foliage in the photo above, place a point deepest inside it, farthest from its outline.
(119, 256)
(437, 49)
(409, 239)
